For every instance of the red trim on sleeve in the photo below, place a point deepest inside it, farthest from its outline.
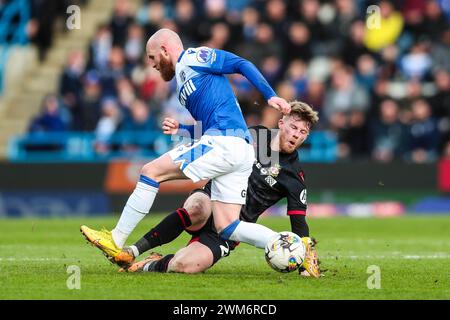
(182, 219)
(294, 212)
(193, 239)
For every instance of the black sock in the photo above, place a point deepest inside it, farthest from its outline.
(159, 266)
(166, 231)
(299, 225)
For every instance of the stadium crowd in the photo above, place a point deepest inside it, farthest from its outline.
(384, 89)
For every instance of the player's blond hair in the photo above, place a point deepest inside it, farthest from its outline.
(304, 111)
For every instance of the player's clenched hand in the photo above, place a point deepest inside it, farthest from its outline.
(170, 126)
(279, 104)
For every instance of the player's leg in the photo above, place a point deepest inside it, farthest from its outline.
(141, 200)
(202, 252)
(193, 216)
(137, 206)
(194, 258)
(228, 193)
(231, 228)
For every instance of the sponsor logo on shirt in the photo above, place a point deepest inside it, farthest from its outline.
(271, 181)
(303, 196)
(186, 91)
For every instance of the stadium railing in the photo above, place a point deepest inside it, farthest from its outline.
(321, 146)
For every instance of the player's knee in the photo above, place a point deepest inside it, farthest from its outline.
(197, 211)
(150, 170)
(179, 265)
(185, 265)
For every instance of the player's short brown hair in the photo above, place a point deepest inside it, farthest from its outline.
(304, 111)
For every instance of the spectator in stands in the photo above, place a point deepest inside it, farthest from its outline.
(346, 14)
(185, 19)
(107, 125)
(354, 138)
(134, 45)
(117, 69)
(296, 75)
(390, 28)
(120, 22)
(388, 134)
(90, 101)
(153, 15)
(412, 11)
(440, 103)
(297, 44)
(417, 63)
(220, 37)
(71, 86)
(264, 45)
(353, 46)
(345, 95)
(366, 72)
(275, 15)
(307, 12)
(435, 21)
(40, 27)
(424, 134)
(440, 51)
(50, 118)
(125, 94)
(137, 127)
(390, 57)
(271, 68)
(100, 49)
(411, 91)
(250, 20)
(214, 11)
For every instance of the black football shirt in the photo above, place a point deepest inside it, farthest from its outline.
(275, 175)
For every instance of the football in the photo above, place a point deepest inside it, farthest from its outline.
(285, 252)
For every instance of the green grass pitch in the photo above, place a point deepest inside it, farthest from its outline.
(413, 254)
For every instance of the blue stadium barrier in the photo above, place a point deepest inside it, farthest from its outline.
(321, 146)
(80, 147)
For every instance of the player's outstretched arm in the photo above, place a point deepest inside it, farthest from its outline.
(227, 63)
(249, 70)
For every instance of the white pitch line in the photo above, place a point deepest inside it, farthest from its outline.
(11, 259)
(387, 241)
(354, 257)
(406, 257)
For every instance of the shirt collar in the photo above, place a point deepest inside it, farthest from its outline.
(181, 55)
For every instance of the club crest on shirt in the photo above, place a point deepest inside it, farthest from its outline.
(204, 55)
(272, 171)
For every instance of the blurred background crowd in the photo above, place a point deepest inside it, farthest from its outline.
(383, 88)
